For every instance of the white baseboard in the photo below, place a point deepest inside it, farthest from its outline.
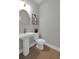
(49, 45)
(20, 50)
(53, 47)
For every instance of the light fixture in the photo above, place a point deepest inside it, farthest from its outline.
(38, 1)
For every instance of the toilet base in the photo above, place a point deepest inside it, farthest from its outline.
(40, 47)
(40, 43)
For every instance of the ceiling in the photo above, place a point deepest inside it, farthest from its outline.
(39, 2)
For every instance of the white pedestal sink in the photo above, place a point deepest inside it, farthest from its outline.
(25, 37)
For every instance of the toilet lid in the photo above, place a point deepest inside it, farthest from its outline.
(40, 40)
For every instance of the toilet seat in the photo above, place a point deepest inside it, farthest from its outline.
(40, 41)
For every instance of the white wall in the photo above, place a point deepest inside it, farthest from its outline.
(34, 9)
(50, 22)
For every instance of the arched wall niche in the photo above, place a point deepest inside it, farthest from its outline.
(24, 21)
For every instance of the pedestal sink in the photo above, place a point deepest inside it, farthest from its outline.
(25, 37)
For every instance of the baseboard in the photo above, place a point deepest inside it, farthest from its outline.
(49, 45)
(20, 50)
(53, 47)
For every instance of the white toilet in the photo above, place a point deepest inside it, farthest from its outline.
(40, 43)
(39, 40)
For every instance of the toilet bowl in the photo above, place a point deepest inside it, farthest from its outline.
(40, 43)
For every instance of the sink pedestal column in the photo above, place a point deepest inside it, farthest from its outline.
(26, 46)
(25, 37)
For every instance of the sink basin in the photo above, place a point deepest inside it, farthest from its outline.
(25, 37)
(28, 34)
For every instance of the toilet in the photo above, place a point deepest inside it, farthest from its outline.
(40, 43)
(39, 40)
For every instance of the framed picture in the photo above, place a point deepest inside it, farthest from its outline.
(35, 19)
